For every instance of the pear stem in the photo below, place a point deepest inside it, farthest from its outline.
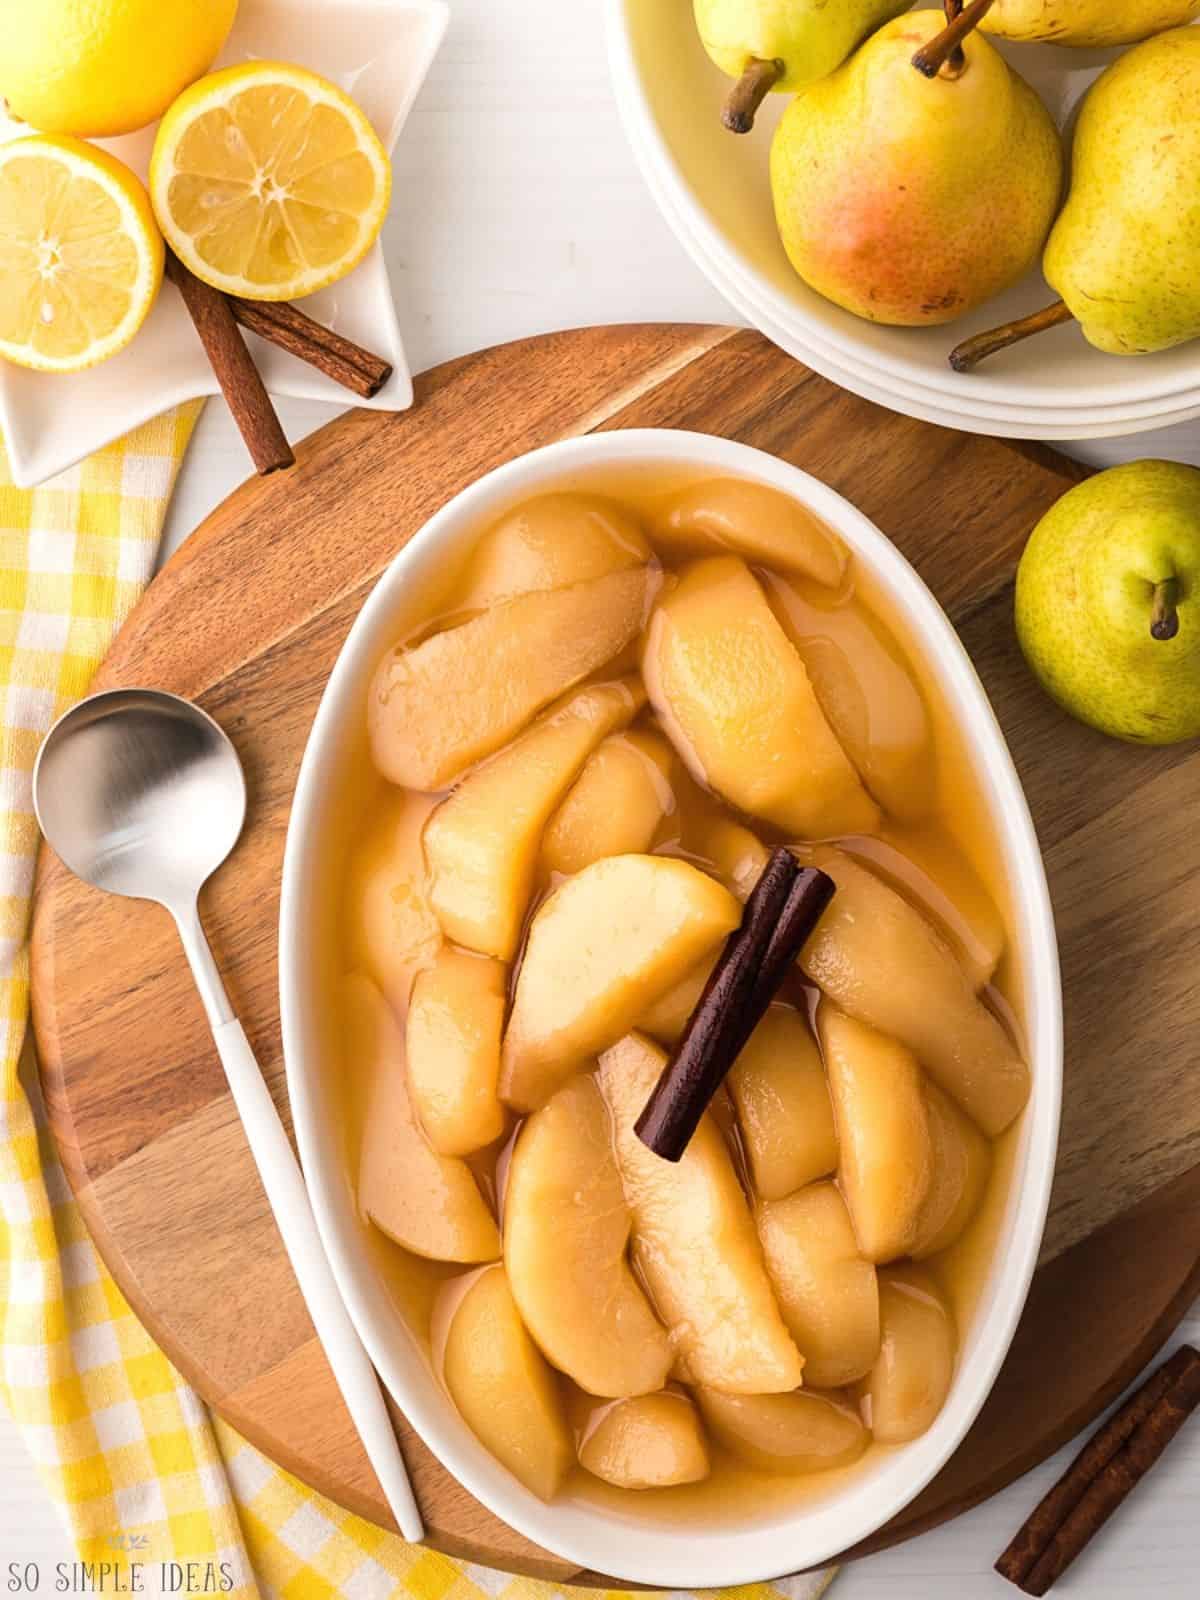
(944, 53)
(749, 92)
(1164, 623)
(966, 357)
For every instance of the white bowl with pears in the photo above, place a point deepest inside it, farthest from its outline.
(582, 712)
(715, 189)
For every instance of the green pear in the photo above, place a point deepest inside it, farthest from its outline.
(1125, 253)
(1108, 602)
(910, 200)
(1094, 23)
(782, 44)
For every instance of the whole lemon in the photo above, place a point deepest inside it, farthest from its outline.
(102, 67)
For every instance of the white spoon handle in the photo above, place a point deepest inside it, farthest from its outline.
(288, 1198)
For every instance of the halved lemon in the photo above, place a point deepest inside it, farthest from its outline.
(81, 257)
(268, 181)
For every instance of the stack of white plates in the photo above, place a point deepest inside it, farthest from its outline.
(713, 189)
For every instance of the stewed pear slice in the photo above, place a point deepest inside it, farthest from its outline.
(615, 806)
(881, 961)
(482, 842)
(391, 930)
(827, 1290)
(886, 1153)
(804, 1431)
(737, 856)
(452, 1042)
(551, 542)
(436, 708)
(783, 1106)
(735, 700)
(666, 1019)
(962, 1165)
(650, 1442)
(868, 694)
(931, 870)
(566, 1231)
(502, 1385)
(601, 949)
(695, 1244)
(908, 1385)
(731, 516)
(427, 1202)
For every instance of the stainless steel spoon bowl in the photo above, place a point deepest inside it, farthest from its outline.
(141, 793)
(116, 778)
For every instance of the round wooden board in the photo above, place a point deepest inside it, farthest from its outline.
(248, 619)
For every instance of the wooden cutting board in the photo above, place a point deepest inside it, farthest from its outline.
(248, 618)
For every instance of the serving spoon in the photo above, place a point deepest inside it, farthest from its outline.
(141, 793)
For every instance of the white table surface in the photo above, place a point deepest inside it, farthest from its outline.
(518, 209)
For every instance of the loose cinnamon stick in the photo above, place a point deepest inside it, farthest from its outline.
(748, 93)
(779, 916)
(293, 330)
(240, 382)
(1110, 1465)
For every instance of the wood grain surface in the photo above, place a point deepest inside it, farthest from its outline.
(248, 618)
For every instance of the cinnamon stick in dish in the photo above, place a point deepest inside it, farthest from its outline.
(234, 367)
(1106, 1470)
(785, 906)
(282, 324)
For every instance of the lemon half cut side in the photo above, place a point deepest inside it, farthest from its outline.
(268, 181)
(81, 257)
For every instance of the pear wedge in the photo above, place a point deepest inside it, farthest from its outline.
(962, 1166)
(885, 1146)
(390, 929)
(908, 1385)
(734, 698)
(617, 803)
(730, 516)
(695, 1243)
(501, 1383)
(552, 542)
(437, 708)
(566, 1230)
(452, 1041)
(783, 1106)
(482, 843)
(650, 1442)
(828, 1292)
(786, 1433)
(426, 1202)
(601, 949)
(881, 961)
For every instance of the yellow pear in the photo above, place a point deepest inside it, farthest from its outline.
(781, 44)
(909, 200)
(1092, 24)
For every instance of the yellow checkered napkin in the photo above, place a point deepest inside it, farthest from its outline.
(140, 1470)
